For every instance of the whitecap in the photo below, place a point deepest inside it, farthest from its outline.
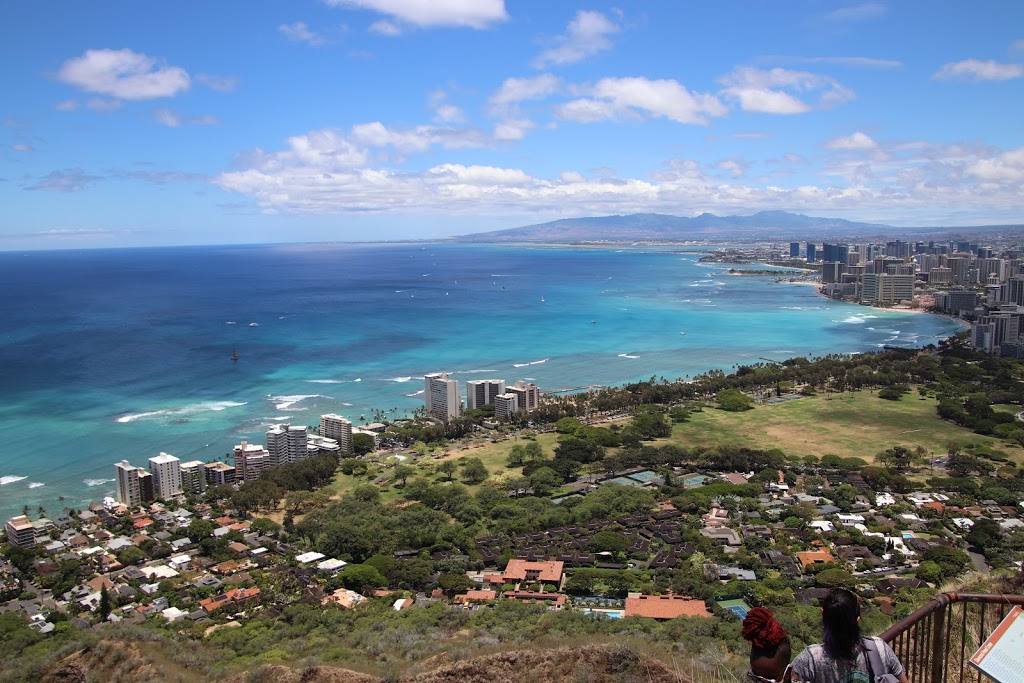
(626, 355)
(286, 402)
(416, 393)
(400, 380)
(192, 409)
(36, 484)
(230, 322)
(325, 381)
(10, 479)
(853, 319)
(344, 403)
(478, 371)
(97, 482)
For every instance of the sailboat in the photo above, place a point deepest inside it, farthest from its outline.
(234, 355)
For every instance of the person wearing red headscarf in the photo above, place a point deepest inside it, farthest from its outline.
(770, 650)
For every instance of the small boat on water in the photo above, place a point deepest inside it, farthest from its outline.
(234, 355)
(593, 322)
(254, 324)
(682, 333)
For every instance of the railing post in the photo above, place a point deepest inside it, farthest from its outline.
(938, 653)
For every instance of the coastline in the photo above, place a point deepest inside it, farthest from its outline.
(963, 324)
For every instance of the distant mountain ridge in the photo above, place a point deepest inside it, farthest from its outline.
(656, 226)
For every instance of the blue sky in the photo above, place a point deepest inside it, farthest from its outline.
(130, 123)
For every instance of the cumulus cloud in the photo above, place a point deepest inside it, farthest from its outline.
(167, 117)
(66, 180)
(476, 14)
(515, 90)
(858, 140)
(66, 105)
(512, 129)
(1006, 167)
(616, 97)
(385, 28)
(445, 111)
(977, 70)
(781, 91)
(299, 32)
(123, 74)
(586, 35)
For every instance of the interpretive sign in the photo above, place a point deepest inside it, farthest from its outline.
(1002, 656)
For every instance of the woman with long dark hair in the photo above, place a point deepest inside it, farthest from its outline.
(844, 656)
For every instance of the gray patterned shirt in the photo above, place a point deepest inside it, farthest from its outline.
(814, 665)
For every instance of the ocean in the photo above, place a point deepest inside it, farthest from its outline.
(125, 353)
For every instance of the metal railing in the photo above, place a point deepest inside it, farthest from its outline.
(935, 643)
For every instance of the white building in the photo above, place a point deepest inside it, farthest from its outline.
(128, 491)
(482, 392)
(338, 428)
(286, 443)
(442, 396)
(506, 405)
(318, 445)
(193, 477)
(166, 471)
(250, 461)
(885, 288)
(21, 532)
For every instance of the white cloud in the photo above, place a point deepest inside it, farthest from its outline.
(205, 120)
(780, 91)
(860, 12)
(218, 83)
(23, 147)
(586, 35)
(477, 14)
(123, 74)
(1017, 45)
(733, 167)
(977, 70)
(445, 111)
(66, 180)
(299, 32)
(1006, 167)
(385, 28)
(101, 105)
(616, 97)
(512, 129)
(867, 62)
(66, 105)
(858, 140)
(167, 117)
(515, 90)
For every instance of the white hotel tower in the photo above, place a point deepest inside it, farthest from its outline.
(442, 396)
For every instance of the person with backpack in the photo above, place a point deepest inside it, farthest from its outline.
(845, 656)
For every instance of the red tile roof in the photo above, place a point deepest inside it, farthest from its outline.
(665, 607)
(546, 571)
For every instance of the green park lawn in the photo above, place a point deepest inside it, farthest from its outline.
(858, 424)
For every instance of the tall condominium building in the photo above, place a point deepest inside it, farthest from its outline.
(166, 471)
(810, 252)
(832, 271)
(127, 478)
(193, 477)
(506, 405)
(20, 532)
(528, 395)
(883, 288)
(481, 392)
(218, 473)
(442, 396)
(250, 461)
(338, 428)
(147, 492)
(794, 249)
(286, 443)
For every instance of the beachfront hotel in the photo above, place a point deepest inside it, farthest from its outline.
(338, 428)
(442, 396)
(250, 461)
(528, 395)
(193, 476)
(286, 444)
(482, 392)
(21, 532)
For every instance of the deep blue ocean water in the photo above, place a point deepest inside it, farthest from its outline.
(121, 354)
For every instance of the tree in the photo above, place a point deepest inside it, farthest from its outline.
(951, 561)
(447, 468)
(610, 541)
(104, 604)
(402, 473)
(984, 533)
(929, 571)
(544, 480)
(361, 577)
(367, 493)
(734, 400)
(362, 443)
(473, 470)
(835, 578)
(198, 529)
(897, 457)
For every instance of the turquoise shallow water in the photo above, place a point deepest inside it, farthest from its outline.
(111, 354)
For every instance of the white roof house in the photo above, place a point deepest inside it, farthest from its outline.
(306, 558)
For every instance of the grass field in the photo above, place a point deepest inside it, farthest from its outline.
(858, 424)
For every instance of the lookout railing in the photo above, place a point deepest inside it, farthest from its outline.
(935, 642)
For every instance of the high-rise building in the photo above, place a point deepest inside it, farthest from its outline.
(482, 392)
(146, 490)
(250, 461)
(21, 532)
(810, 252)
(286, 444)
(127, 479)
(193, 477)
(218, 473)
(338, 428)
(794, 249)
(166, 471)
(832, 271)
(441, 396)
(506, 405)
(528, 395)
(884, 288)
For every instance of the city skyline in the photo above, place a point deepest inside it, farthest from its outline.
(389, 119)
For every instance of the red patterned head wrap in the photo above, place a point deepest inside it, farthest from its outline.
(761, 629)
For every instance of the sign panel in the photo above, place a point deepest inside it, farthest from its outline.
(1001, 657)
